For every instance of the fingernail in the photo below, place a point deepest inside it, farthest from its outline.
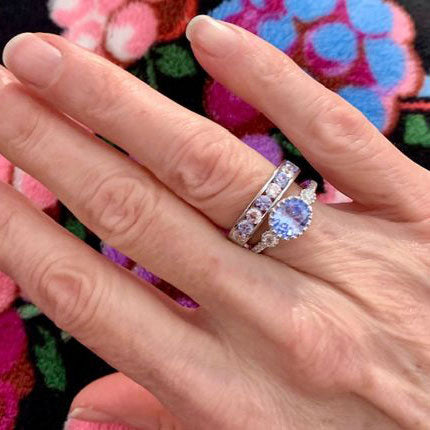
(31, 59)
(87, 414)
(213, 36)
(74, 424)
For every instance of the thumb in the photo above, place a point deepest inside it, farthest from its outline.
(115, 402)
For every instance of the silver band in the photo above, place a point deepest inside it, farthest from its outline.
(270, 194)
(289, 219)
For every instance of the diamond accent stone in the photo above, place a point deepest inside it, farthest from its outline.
(290, 218)
(269, 239)
(308, 196)
(254, 216)
(273, 190)
(290, 168)
(245, 228)
(263, 203)
(282, 179)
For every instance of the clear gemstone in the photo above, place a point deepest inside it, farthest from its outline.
(308, 195)
(254, 216)
(273, 190)
(245, 228)
(290, 218)
(269, 239)
(263, 203)
(290, 168)
(282, 179)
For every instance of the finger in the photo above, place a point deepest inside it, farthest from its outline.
(199, 160)
(96, 301)
(123, 204)
(333, 136)
(118, 399)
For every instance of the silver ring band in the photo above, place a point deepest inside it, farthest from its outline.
(270, 194)
(289, 219)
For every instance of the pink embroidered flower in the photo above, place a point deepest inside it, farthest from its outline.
(121, 30)
(39, 195)
(16, 375)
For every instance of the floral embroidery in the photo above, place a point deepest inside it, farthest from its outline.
(122, 30)
(39, 195)
(361, 50)
(16, 375)
(120, 259)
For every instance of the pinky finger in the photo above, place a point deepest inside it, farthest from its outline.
(85, 294)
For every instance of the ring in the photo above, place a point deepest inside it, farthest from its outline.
(270, 194)
(289, 219)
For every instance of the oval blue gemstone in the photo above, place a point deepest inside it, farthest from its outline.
(290, 218)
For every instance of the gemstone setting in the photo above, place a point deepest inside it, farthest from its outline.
(254, 216)
(273, 190)
(263, 203)
(290, 218)
(282, 179)
(245, 228)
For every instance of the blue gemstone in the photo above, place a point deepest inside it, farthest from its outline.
(290, 218)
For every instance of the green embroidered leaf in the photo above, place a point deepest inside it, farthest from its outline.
(49, 362)
(74, 226)
(417, 130)
(175, 61)
(150, 72)
(145, 71)
(286, 144)
(28, 311)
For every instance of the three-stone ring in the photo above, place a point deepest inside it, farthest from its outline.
(289, 219)
(269, 195)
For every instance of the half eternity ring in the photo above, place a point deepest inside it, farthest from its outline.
(254, 215)
(289, 219)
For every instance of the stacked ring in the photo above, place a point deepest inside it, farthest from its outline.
(270, 194)
(289, 219)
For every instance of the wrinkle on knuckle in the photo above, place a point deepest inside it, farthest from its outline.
(23, 124)
(273, 71)
(205, 165)
(121, 208)
(101, 94)
(72, 295)
(340, 127)
(324, 353)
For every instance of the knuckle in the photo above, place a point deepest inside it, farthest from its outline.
(22, 124)
(273, 70)
(340, 126)
(101, 94)
(205, 165)
(72, 295)
(325, 352)
(8, 219)
(120, 208)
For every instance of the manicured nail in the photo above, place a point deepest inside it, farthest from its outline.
(73, 424)
(87, 414)
(31, 59)
(214, 37)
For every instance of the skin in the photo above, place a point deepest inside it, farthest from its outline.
(328, 331)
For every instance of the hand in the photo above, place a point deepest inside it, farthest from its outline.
(328, 331)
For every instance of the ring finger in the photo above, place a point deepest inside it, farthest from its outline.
(124, 204)
(199, 160)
